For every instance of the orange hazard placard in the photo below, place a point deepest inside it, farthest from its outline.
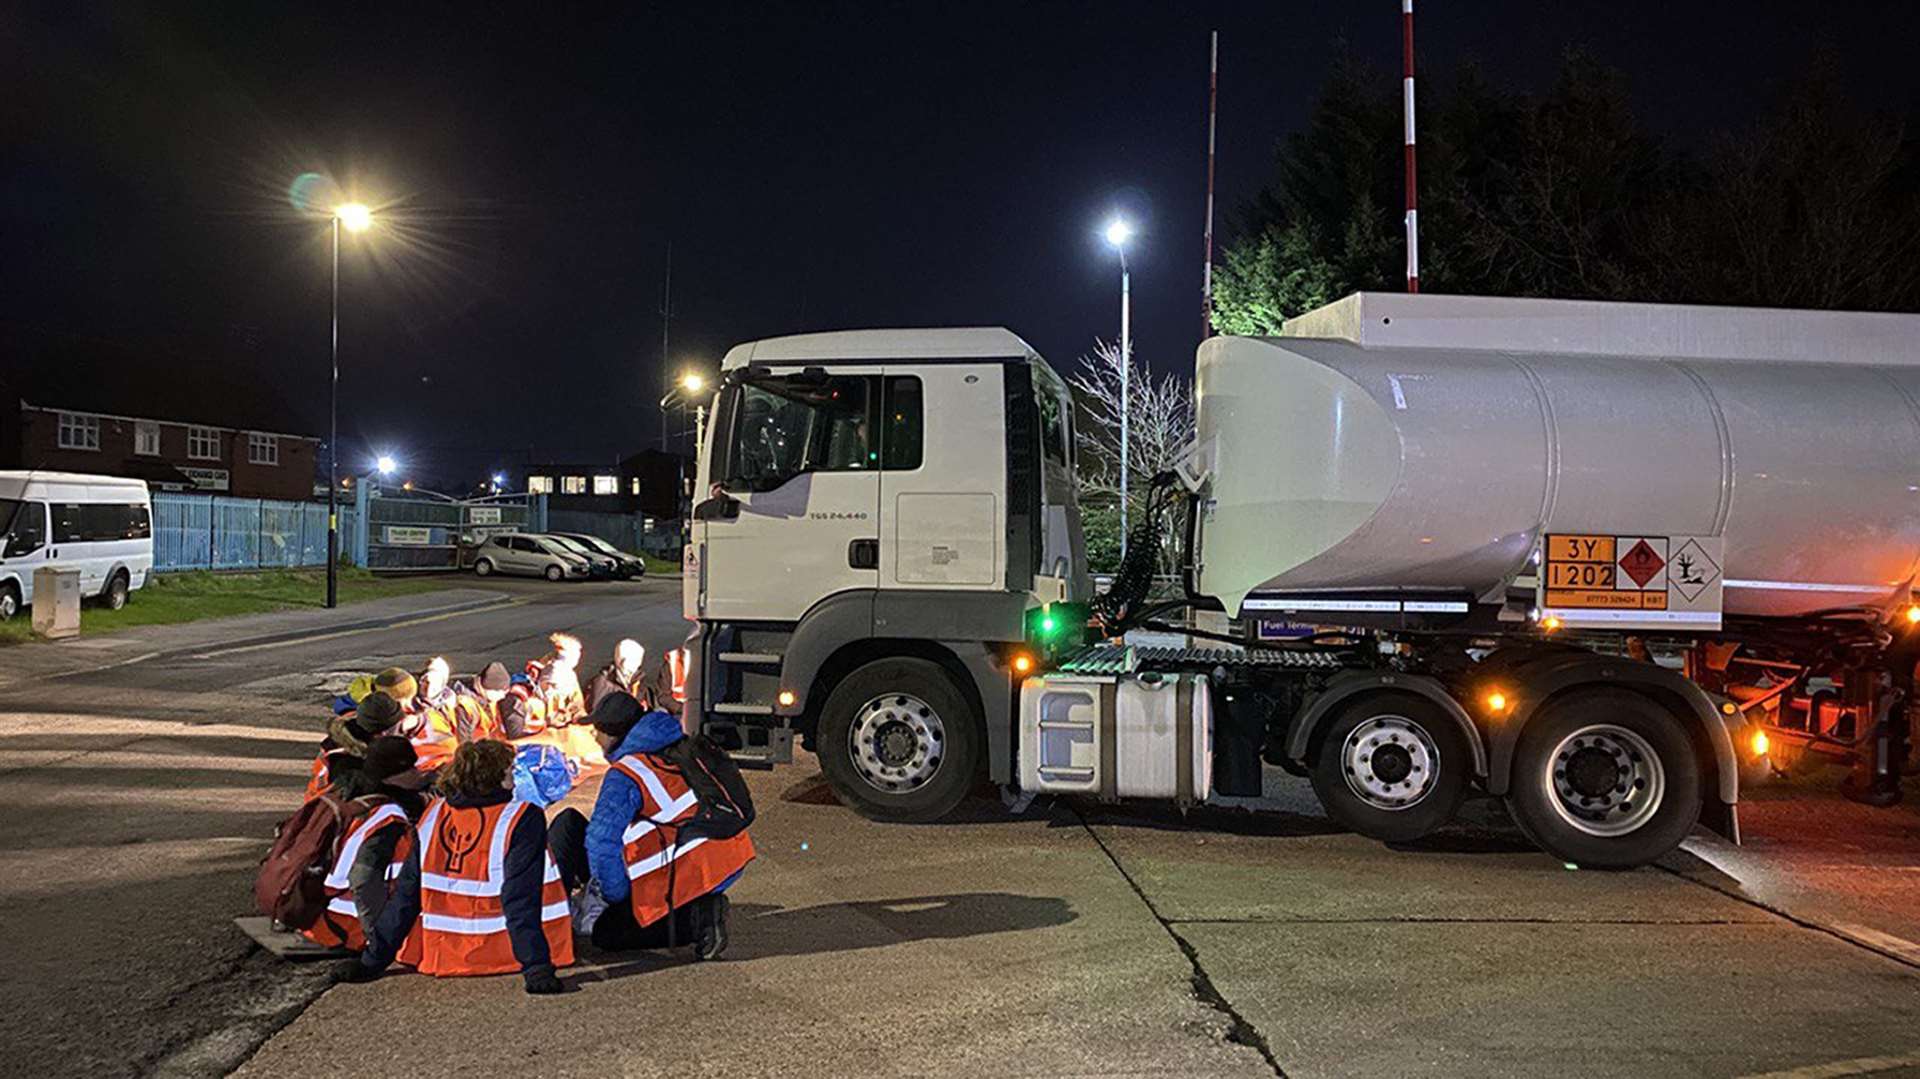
(1622, 581)
(1580, 549)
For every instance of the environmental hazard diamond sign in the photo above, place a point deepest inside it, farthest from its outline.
(1693, 570)
(1642, 563)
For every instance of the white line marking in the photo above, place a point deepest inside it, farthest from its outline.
(1885, 942)
(237, 649)
(1856, 1066)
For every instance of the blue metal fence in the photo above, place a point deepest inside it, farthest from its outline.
(216, 532)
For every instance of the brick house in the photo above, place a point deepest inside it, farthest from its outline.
(169, 454)
(84, 406)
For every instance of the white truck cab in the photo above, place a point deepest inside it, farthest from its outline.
(876, 512)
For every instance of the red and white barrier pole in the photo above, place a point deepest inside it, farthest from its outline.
(1406, 93)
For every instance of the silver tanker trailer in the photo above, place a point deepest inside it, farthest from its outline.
(1596, 559)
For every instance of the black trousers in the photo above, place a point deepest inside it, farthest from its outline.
(616, 931)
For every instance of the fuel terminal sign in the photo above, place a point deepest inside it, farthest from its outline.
(1632, 581)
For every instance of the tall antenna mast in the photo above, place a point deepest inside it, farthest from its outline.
(1406, 93)
(666, 315)
(1213, 110)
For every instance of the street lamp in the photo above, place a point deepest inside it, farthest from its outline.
(355, 217)
(386, 464)
(689, 383)
(1118, 233)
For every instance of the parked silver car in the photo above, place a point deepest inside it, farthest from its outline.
(531, 556)
(601, 565)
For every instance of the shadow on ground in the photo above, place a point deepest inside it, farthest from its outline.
(761, 932)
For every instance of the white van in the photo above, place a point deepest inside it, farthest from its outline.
(99, 525)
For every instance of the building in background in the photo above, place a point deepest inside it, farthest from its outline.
(83, 406)
(649, 483)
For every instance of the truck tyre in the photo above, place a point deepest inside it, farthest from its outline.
(114, 595)
(898, 741)
(1391, 767)
(1605, 778)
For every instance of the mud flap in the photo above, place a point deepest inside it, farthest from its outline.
(1722, 819)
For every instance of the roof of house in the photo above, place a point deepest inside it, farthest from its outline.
(145, 382)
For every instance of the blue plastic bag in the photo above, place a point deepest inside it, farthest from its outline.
(542, 774)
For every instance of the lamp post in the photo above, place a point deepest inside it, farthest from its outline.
(355, 217)
(1118, 233)
(691, 382)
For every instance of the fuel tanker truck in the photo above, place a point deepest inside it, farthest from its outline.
(1595, 559)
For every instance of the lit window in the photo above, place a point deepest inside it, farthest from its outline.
(606, 485)
(203, 443)
(573, 485)
(633, 485)
(79, 432)
(539, 485)
(263, 449)
(146, 437)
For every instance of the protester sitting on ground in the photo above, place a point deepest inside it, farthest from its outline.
(669, 685)
(435, 718)
(347, 737)
(623, 675)
(479, 894)
(556, 678)
(652, 868)
(384, 794)
(481, 704)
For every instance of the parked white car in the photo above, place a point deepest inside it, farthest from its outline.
(101, 526)
(531, 556)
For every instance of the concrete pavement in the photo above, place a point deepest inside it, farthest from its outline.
(1073, 940)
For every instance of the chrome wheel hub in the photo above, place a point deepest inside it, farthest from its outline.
(897, 743)
(1390, 762)
(1606, 780)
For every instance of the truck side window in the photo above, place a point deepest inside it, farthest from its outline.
(1053, 427)
(783, 427)
(26, 527)
(902, 427)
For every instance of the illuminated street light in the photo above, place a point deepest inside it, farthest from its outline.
(354, 216)
(1118, 233)
(386, 464)
(692, 382)
(499, 479)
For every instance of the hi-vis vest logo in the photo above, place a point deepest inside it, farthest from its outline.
(459, 835)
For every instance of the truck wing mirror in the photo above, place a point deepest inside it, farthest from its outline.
(720, 507)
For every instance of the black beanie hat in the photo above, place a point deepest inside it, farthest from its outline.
(388, 756)
(617, 714)
(378, 712)
(495, 677)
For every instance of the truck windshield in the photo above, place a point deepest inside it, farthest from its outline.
(783, 427)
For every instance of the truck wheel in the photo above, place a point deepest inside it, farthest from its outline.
(1392, 767)
(898, 741)
(115, 594)
(1607, 779)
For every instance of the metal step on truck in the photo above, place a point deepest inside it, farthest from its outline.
(1600, 560)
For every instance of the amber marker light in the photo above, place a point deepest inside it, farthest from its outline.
(787, 698)
(1760, 742)
(1022, 663)
(1497, 702)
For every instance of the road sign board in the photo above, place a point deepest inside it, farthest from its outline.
(1628, 581)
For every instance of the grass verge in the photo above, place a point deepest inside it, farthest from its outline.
(659, 565)
(190, 597)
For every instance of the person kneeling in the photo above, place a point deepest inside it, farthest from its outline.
(654, 863)
(382, 798)
(480, 894)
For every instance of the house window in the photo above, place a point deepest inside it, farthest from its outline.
(539, 485)
(203, 443)
(606, 485)
(262, 449)
(79, 432)
(633, 486)
(573, 485)
(146, 438)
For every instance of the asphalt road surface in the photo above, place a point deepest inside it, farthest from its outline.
(141, 775)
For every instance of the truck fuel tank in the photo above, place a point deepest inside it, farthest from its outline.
(1366, 458)
(1127, 736)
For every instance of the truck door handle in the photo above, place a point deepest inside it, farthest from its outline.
(864, 554)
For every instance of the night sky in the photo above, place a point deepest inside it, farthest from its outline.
(814, 167)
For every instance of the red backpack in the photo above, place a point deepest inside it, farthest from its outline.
(291, 885)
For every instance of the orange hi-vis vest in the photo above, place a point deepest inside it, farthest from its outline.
(666, 873)
(677, 673)
(462, 928)
(339, 927)
(438, 735)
